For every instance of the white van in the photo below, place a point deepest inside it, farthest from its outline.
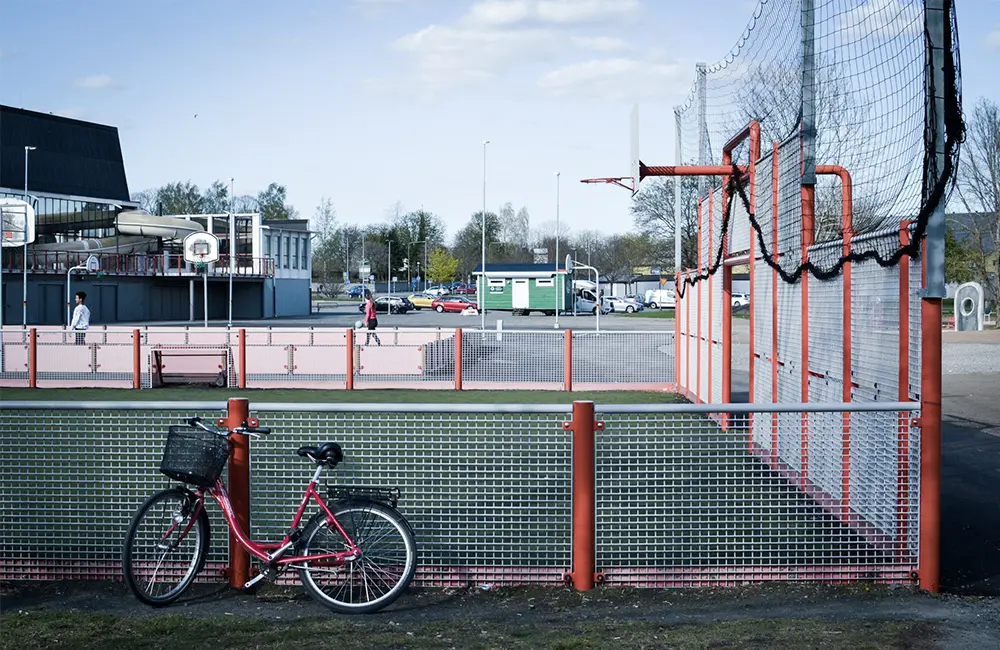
(661, 298)
(585, 297)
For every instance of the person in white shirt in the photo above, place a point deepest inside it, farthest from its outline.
(81, 317)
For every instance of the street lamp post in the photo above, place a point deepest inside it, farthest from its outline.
(556, 283)
(24, 271)
(484, 285)
(232, 245)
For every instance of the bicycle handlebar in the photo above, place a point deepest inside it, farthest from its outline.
(245, 430)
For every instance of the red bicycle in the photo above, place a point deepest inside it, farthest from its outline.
(354, 557)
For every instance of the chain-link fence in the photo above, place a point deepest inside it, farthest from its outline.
(681, 500)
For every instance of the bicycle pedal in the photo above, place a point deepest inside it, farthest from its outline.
(249, 584)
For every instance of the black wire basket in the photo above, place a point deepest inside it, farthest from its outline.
(194, 456)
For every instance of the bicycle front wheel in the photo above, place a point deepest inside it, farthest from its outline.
(165, 546)
(378, 577)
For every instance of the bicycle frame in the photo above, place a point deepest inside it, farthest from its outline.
(271, 553)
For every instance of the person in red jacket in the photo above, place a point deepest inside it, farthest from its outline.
(371, 320)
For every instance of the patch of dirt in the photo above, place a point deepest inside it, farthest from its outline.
(963, 622)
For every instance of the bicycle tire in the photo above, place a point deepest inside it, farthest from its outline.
(135, 575)
(355, 516)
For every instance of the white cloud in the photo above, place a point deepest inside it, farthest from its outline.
(95, 82)
(617, 79)
(494, 36)
(501, 13)
(993, 40)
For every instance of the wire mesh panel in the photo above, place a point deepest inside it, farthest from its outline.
(488, 495)
(623, 360)
(14, 357)
(70, 482)
(682, 502)
(412, 358)
(99, 357)
(513, 359)
(916, 324)
(875, 328)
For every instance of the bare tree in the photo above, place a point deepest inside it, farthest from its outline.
(979, 193)
(653, 216)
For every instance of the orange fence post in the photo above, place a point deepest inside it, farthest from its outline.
(774, 299)
(568, 372)
(584, 498)
(243, 358)
(930, 444)
(349, 368)
(677, 333)
(458, 358)
(239, 489)
(136, 359)
(32, 358)
(697, 359)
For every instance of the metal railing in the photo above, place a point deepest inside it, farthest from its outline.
(337, 358)
(140, 264)
(658, 495)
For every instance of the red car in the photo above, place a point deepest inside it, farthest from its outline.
(451, 303)
(464, 290)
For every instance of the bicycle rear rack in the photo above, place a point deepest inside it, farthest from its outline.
(378, 494)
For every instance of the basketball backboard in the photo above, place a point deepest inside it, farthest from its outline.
(93, 264)
(201, 247)
(17, 222)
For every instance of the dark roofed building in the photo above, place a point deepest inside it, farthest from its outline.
(71, 157)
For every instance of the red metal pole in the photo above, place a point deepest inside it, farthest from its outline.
(136, 359)
(930, 443)
(349, 369)
(774, 298)
(677, 332)
(243, 358)
(711, 324)
(690, 170)
(568, 352)
(239, 489)
(697, 285)
(584, 498)
(458, 358)
(32, 358)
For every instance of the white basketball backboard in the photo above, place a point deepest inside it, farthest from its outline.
(201, 247)
(17, 222)
(93, 264)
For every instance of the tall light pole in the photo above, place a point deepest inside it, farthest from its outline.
(232, 244)
(24, 272)
(556, 283)
(484, 286)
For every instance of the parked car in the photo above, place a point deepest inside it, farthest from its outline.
(438, 291)
(357, 291)
(661, 299)
(619, 304)
(389, 304)
(740, 300)
(636, 298)
(464, 290)
(452, 303)
(421, 300)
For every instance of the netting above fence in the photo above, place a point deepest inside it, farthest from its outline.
(844, 86)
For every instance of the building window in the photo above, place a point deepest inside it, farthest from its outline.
(543, 282)
(305, 254)
(267, 244)
(288, 251)
(295, 254)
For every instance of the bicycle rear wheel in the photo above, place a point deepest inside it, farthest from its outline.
(378, 577)
(165, 547)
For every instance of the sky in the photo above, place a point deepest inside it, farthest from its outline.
(373, 102)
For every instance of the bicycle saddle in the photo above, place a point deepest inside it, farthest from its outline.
(329, 453)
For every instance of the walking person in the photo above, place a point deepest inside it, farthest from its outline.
(371, 320)
(81, 318)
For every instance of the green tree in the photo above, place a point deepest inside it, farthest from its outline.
(328, 260)
(272, 203)
(468, 242)
(442, 266)
(959, 259)
(178, 198)
(215, 198)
